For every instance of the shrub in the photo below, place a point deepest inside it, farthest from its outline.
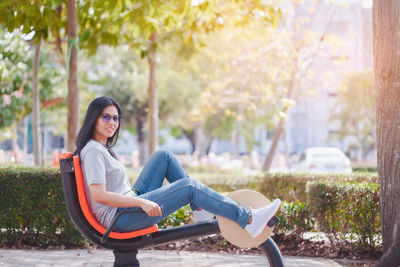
(347, 212)
(178, 218)
(32, 209)
(295, 218)
(365, 168)
(228, 182)
(292, 186)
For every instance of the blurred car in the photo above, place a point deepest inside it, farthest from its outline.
(323, 160)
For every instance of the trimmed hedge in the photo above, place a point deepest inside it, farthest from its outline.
(32, 209)
(348, 204)
(347, 212)
(365, 168)
(292, 186)
(226, 181)
(33, 212)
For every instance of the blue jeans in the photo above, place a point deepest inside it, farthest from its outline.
(180, 191)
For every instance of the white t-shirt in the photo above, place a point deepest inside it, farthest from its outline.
(99, 167)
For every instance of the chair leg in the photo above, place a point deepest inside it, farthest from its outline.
(272, 252)
(126, 258)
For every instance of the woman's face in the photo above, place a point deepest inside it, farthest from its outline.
(106, 124)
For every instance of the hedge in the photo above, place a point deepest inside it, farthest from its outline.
(32, 209)
(289, 187)
(365, 168)
(292, 186)
(347, 212)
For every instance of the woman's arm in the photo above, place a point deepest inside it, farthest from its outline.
(99, 194)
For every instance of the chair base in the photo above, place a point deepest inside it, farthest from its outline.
(126, 258)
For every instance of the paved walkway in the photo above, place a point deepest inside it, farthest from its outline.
(152, 258)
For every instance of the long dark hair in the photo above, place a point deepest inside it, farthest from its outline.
(93, 112)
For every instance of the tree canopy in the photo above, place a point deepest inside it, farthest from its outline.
(16, 75)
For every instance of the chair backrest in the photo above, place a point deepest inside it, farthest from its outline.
(80, 214)
(89, 215)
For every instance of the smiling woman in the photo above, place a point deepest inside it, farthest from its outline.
(111, 194)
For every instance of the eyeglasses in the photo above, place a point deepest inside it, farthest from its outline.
(107, 118)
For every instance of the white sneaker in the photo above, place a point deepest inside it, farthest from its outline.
(261, 217)
(202, 215)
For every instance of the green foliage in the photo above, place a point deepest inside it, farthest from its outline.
(225, 180)
(116, 22)
(178, 218)
(218, 15)
(292, 186)
(100, 22)
(16, 81)
(360, 168)
(113, 22)
(356, 111)
(295, 217)
(32, 209)
(236, 93)
(42, 19)
(347, 212)
(15, 62)
(124, 75)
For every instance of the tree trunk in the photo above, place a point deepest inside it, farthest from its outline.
(73, 90)
(238, 132)
(207, 139)
(15, 147)
(203, 145)
(191, 136)
(36, 109)
(365, 152)
(153, 97)
(208, 145)
(25, 122)
(140, 133)
(287, 153)
(280, 129)
(391, 256)
(275, 141)
(386, 40)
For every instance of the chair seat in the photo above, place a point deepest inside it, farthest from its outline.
(80, 184)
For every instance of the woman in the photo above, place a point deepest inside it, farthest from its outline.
(110, 191)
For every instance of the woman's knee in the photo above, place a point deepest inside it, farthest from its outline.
(190, 182)
(162, 153)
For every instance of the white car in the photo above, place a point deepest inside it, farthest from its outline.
(323, 160)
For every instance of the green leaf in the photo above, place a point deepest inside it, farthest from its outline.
(84, 36)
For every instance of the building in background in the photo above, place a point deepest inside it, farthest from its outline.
(309, 123)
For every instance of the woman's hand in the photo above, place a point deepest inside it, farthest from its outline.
(151, 208)
(99, 194)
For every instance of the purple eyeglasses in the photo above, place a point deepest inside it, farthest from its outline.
(107, 118)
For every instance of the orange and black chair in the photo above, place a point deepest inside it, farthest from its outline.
(125, 245)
